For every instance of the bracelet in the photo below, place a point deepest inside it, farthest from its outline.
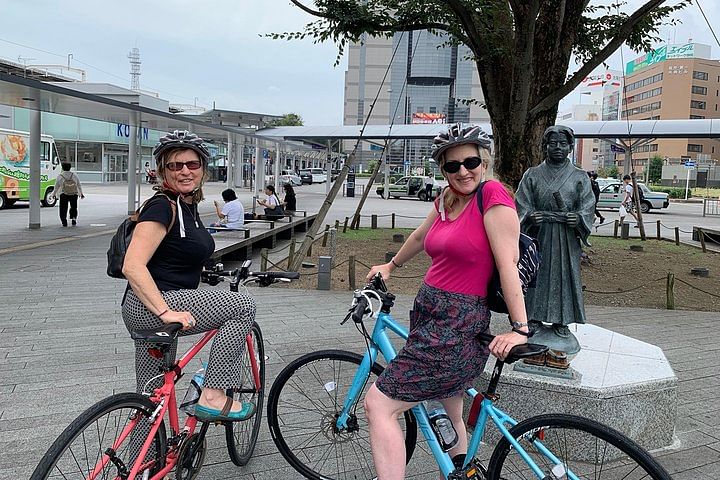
(163, 312)
(398, 265)
(518, 324)
(527, 334)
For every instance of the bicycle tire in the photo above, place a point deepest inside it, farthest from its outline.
(626, 459)
(82, 429)
(241, 437)
(323, 370)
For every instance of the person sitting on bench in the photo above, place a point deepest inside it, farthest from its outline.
(232, 214)
(290, 201)
(273, 208)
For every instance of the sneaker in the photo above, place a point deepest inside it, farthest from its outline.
(64, 223)
(602, 219)
(74, 222)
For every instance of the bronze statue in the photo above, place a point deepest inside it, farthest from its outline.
(556, 205)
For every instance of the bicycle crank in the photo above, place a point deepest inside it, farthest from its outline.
(191, 457)
(472, 471)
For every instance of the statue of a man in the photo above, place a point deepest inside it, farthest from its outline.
(556, 205)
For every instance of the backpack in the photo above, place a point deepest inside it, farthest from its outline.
(69, 186)
(528, 267)
(121, 240)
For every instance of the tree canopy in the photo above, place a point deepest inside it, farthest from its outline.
(521, 48)
(288, 120)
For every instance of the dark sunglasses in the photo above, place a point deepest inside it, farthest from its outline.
(177, 166)
(470, 163)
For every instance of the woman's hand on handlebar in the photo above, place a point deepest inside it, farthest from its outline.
(502, 344)
(384, 271)
(184, 318)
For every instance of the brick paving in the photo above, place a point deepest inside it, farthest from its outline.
(63, 346)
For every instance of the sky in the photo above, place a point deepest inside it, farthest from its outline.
(214, 51)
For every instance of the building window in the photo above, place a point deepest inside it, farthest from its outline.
(642, 96)
(698, 104)
(699, 90)
(645, 108)
(644, 82)
(696, 117)
(700, 75)
(693, 147)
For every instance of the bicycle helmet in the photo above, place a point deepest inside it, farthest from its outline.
(458, 135)
(180, 139)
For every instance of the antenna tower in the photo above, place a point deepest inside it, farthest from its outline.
(134, 57)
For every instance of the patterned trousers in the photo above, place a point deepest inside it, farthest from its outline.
(231, 313)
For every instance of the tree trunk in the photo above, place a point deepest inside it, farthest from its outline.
(515, 152)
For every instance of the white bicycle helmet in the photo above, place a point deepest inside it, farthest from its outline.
(458, 135)
(181, 139)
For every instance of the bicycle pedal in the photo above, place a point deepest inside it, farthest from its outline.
(472, 471)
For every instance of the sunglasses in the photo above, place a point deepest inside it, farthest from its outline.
(470, 163)
(177, 166)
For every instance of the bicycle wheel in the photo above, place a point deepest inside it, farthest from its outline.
(241, 437)
(81, 446)
(304, 403)
(587, 448)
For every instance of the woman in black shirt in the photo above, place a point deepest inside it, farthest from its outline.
(163, 264)
(289, 202)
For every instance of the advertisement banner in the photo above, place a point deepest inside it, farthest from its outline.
(650, 58)
(681, 51)
(422, 117)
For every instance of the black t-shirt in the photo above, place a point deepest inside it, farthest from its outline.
(177, 262)
(291, 202)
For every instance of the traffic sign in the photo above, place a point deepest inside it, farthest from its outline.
(616, 149)
(689, 164)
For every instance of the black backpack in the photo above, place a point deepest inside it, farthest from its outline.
(528, 267)
(121, 240)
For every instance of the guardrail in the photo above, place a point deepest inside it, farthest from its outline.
(711, 206)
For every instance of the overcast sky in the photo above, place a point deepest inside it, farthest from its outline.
(212, 51)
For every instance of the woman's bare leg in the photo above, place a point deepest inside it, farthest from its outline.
(386, 437)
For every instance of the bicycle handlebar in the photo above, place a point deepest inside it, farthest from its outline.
(243, 275)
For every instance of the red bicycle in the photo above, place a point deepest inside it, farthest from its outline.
(102, 443)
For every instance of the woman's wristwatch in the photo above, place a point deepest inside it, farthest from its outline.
(516, 326)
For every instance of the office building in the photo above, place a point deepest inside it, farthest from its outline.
(673, 82)
(426, 83)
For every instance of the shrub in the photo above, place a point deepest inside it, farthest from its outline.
(673, 192)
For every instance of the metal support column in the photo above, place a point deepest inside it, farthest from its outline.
(276, 170)
(132, 164)
(230, 160)
(35, 154)
(259, 169)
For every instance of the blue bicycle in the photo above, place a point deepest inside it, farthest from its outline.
(316, 418)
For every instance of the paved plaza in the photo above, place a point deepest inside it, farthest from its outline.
(63, 345)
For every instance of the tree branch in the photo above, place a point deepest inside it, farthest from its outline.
(309, 10)
(623, 33)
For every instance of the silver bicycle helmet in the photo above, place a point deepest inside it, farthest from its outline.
(458, 135)
(181, 139)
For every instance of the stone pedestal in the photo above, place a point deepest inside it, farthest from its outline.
(617, 380)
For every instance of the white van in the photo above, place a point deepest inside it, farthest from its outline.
(318, 175)
(15, 168)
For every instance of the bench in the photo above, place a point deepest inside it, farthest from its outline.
(710, 234)
(235, 249)
(222, 229)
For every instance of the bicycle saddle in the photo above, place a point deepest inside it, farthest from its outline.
(164, 335)
(525, 350)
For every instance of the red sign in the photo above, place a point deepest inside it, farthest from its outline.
(422, 117)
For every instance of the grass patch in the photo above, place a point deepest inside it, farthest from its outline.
(372, 234)
(659, 246)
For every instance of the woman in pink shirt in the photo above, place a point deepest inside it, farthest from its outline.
(442, 356)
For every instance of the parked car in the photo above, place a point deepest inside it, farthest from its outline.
(604, 182)
(612, 195)
(313, 175)
(334, 174)
(409, 187)
(290, 177)
(306, 176)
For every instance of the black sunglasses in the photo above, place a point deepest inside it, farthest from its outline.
(470, 163)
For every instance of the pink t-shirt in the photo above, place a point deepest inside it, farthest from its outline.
(462, 261)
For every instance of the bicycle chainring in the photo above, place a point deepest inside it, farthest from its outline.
(189, 465)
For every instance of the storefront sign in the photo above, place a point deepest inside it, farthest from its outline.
(681, 51)
(684, 50)
(422, 117)
(123, 130)
(606, 79)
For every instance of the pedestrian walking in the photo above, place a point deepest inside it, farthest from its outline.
(628, 204)
(67, 189)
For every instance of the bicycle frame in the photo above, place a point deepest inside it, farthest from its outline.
(380, 343)
(166, 402)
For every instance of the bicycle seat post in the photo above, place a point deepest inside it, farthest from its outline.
(494, 380)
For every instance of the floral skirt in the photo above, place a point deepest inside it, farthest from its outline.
(442, 357)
